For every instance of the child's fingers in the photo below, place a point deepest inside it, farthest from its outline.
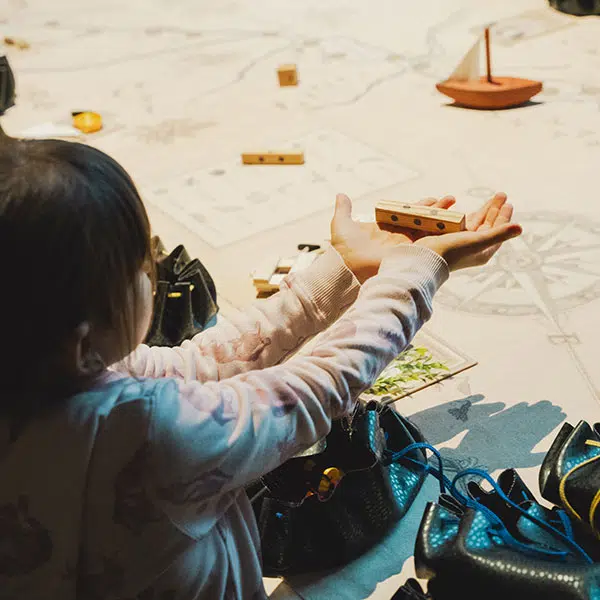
(490, 219)
(445, 202)
(475, 242)
(481, 246)
(499, 200)
(505, 215)
(470, 248)
(489, 237)
(343, 208)
(476, 219)
(342, 216)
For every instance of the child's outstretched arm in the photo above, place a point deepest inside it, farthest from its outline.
(264, 334)
(270, 330)
(217, 437)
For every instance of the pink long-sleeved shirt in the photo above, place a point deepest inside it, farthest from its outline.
(135, 489)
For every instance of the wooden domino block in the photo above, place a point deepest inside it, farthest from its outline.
(285, 265)
(17, 42)
(268, 278)
(276, 280)
(262, 276)
(422, 218)
(273, 158)
(288, 75)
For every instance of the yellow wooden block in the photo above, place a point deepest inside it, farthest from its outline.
(288, 75)
(272, 285)
(268, 277)
(266, 288)
(263, 274)
(273, 158)
(285, 265)
(422, 218)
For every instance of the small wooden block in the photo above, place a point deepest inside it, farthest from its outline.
(303, 260)
(422, 218)
(288, 75)
(17, 42)
(285, 265)
(268, 278)
(263, 274)
(276, 280)
(273, 158)
(266, 288)
(271, 286)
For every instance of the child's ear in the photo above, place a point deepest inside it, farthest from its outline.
(87, 362)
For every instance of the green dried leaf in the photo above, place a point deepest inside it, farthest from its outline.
(413, 365)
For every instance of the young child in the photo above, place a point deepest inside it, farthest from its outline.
(129, 483)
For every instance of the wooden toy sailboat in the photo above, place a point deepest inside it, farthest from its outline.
(468, 88)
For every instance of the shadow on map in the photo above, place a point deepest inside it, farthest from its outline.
(495, 436)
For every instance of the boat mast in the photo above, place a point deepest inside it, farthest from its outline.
(487, 55)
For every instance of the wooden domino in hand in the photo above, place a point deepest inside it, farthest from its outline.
(421, 218)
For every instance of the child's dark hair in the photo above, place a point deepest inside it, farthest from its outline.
(74, 236)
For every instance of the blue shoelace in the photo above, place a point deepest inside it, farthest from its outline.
(448, 486)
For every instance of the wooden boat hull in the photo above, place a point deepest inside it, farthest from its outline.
(503, 92)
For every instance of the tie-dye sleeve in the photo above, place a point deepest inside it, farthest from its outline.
(212, 438)
(263, 335)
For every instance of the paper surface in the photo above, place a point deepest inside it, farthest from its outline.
(230, 201)
(50, 130)
(184, 88)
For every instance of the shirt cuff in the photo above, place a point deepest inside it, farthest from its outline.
(419, 265)
(330, 284)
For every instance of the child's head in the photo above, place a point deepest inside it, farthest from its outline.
(75, 248)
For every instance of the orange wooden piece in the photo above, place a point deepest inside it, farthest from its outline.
(488, 55)
(502, 92)
(487, 92)
(87, 122)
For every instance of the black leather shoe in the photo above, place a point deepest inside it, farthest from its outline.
(7, 86)
(579, 8)
(411, 590)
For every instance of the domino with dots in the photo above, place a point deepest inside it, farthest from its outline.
(273, 158)
(421, 218)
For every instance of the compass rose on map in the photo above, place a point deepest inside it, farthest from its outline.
(552, 267)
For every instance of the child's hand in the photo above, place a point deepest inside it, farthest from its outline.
(487, 230)
(364, 245)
